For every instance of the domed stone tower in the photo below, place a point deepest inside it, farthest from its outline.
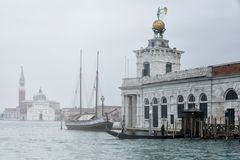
(158, 58)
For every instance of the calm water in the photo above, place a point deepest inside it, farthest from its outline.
(45, 141)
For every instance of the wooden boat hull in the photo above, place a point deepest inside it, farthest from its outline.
(100, 126)
(129, 136)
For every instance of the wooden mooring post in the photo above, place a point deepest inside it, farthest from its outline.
(184, 127)
(191, 122)
(215, 129)
(191, 128)
(167, 127)
(226, 128)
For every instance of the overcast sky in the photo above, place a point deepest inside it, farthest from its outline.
(45, 36)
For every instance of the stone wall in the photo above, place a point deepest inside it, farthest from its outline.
(220, 87)
(171, 92)
(172, 76)
(195, 82)
(157, 57)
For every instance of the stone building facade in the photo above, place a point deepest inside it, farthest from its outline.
(42, 109)
(11, 114)
(161, 91)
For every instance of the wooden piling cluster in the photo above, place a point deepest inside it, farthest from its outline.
(194, 124)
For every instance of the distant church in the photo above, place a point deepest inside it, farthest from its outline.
(39, 108)
(161, 91)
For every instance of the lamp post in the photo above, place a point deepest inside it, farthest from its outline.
(102, 99)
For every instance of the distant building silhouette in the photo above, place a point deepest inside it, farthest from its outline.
(39, 108)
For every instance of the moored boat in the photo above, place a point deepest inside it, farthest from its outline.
(122, 135)
(89, 122)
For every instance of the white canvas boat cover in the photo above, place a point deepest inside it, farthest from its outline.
(86, 117)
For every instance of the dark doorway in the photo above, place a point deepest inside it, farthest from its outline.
(203, 108)
(172, 119)
(40, 116)
(191, 121)
(146, 112)
(164, 111)
(180, 109)
(155, 116)
(146, 108)
(230, 116)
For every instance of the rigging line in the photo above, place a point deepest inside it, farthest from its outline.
(125, 67)
(86, 96)
(96, 103)
(100, 85)
(90, 102)
(99, 78)
(77, 92)
(80, 84)
(85, 90)
(75, 99)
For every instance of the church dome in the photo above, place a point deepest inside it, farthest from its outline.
(158, 26)
(40, 96)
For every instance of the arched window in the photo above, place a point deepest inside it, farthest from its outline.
(231, 95)
(191, 101)
(146, 108)
(191, 98)
(203, 104)
(180, 99)
(146, 101)
(164, 107)
(154, 101)
(155, 112)
(164, 100)
(203, 98)
(180, 106)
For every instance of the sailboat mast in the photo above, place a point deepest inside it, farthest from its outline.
(80, 84)
(97, 85)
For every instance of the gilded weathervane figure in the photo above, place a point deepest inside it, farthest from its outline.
(158, 25)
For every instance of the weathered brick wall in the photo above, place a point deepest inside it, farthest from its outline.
(231, 69)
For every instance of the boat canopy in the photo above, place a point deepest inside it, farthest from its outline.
(86, 117)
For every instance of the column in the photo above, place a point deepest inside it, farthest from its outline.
(138, 111)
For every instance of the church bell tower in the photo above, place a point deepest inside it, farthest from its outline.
(21, 94)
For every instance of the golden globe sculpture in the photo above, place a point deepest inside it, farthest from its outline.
(158, 26)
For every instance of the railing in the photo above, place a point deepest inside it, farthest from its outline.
(184, 74)
(131, 82)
